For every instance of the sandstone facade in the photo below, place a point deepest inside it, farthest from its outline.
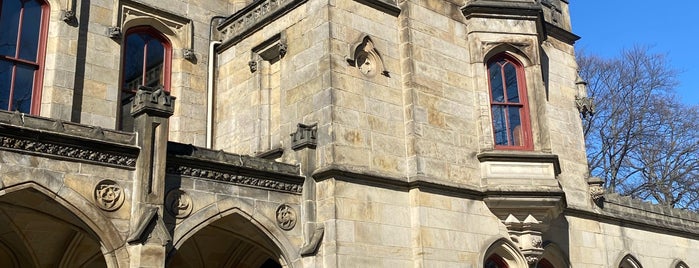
(315, 133)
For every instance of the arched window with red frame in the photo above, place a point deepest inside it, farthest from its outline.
(495, 261)
(23, 30)
(508, 103)
(145, 62)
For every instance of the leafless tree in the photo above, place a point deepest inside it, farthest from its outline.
(641, 140)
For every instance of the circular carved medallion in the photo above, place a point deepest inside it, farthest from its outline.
(178, 203)
(109, 195)
(286, 217)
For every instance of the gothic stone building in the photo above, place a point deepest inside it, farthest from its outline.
(306, 133)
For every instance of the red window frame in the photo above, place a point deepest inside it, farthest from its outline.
(522, 105)
(37, 64)
(166, 69)
(497, 260)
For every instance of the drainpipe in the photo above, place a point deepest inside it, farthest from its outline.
(211, 76)
(210, 94)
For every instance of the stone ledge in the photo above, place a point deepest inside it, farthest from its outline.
(387, 6)
(64, 140)
(253, 18)
(188, 160)
(510, 8)
(521, 156)
(44, 124)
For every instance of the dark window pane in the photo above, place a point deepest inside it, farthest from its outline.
(9, 23)
(31, 25)
(514, 118)
(22, 95)
(499, 125)
(5, 80)
(511, 83)
(154, 62)
(496, 82)
(126, 119)
(133, 62)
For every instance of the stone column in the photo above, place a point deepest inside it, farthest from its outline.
(149, 237)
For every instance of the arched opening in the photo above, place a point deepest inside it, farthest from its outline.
(503, 254)
(629, 261)
(37, 231)
(232, 241)
(495, 261)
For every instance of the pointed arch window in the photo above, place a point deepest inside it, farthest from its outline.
(22, 44)
(508, 103)
(145, 62)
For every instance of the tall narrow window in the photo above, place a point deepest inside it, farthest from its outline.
(146, 62)
(508, 103)
(23, 28)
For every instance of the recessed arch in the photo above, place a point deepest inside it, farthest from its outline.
(504, 253)
(262, 234)
(679, 264)
(93, 239)
(512, 50)
(554, 256)
(629, 261)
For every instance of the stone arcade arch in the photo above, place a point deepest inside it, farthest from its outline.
(229, 237)
(40, 228)
(503, 253)
(629, 261)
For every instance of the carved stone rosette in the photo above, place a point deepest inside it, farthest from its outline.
(109, 196)
(286, 217)
(179, 203)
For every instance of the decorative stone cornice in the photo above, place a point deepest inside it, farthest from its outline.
(187, 160)
(54, 138)
(252, 18)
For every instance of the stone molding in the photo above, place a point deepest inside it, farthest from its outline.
(187, 160)
(524, 157)
(178, 25)
(253, 18)
(387, 6)
(71, 141)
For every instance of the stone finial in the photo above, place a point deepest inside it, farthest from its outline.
(154, 101)
(305, 137)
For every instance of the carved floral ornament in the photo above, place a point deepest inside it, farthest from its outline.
(179, 203)
(109, 196)
(367, 59)
(286, 217)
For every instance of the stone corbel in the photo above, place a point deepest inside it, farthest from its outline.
(597, 190)
(67, 15)
(304, 137)
(527, 235)
(526, 217)
(114, 32)
(585, 105)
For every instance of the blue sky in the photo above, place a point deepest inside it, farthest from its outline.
(608, 26)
